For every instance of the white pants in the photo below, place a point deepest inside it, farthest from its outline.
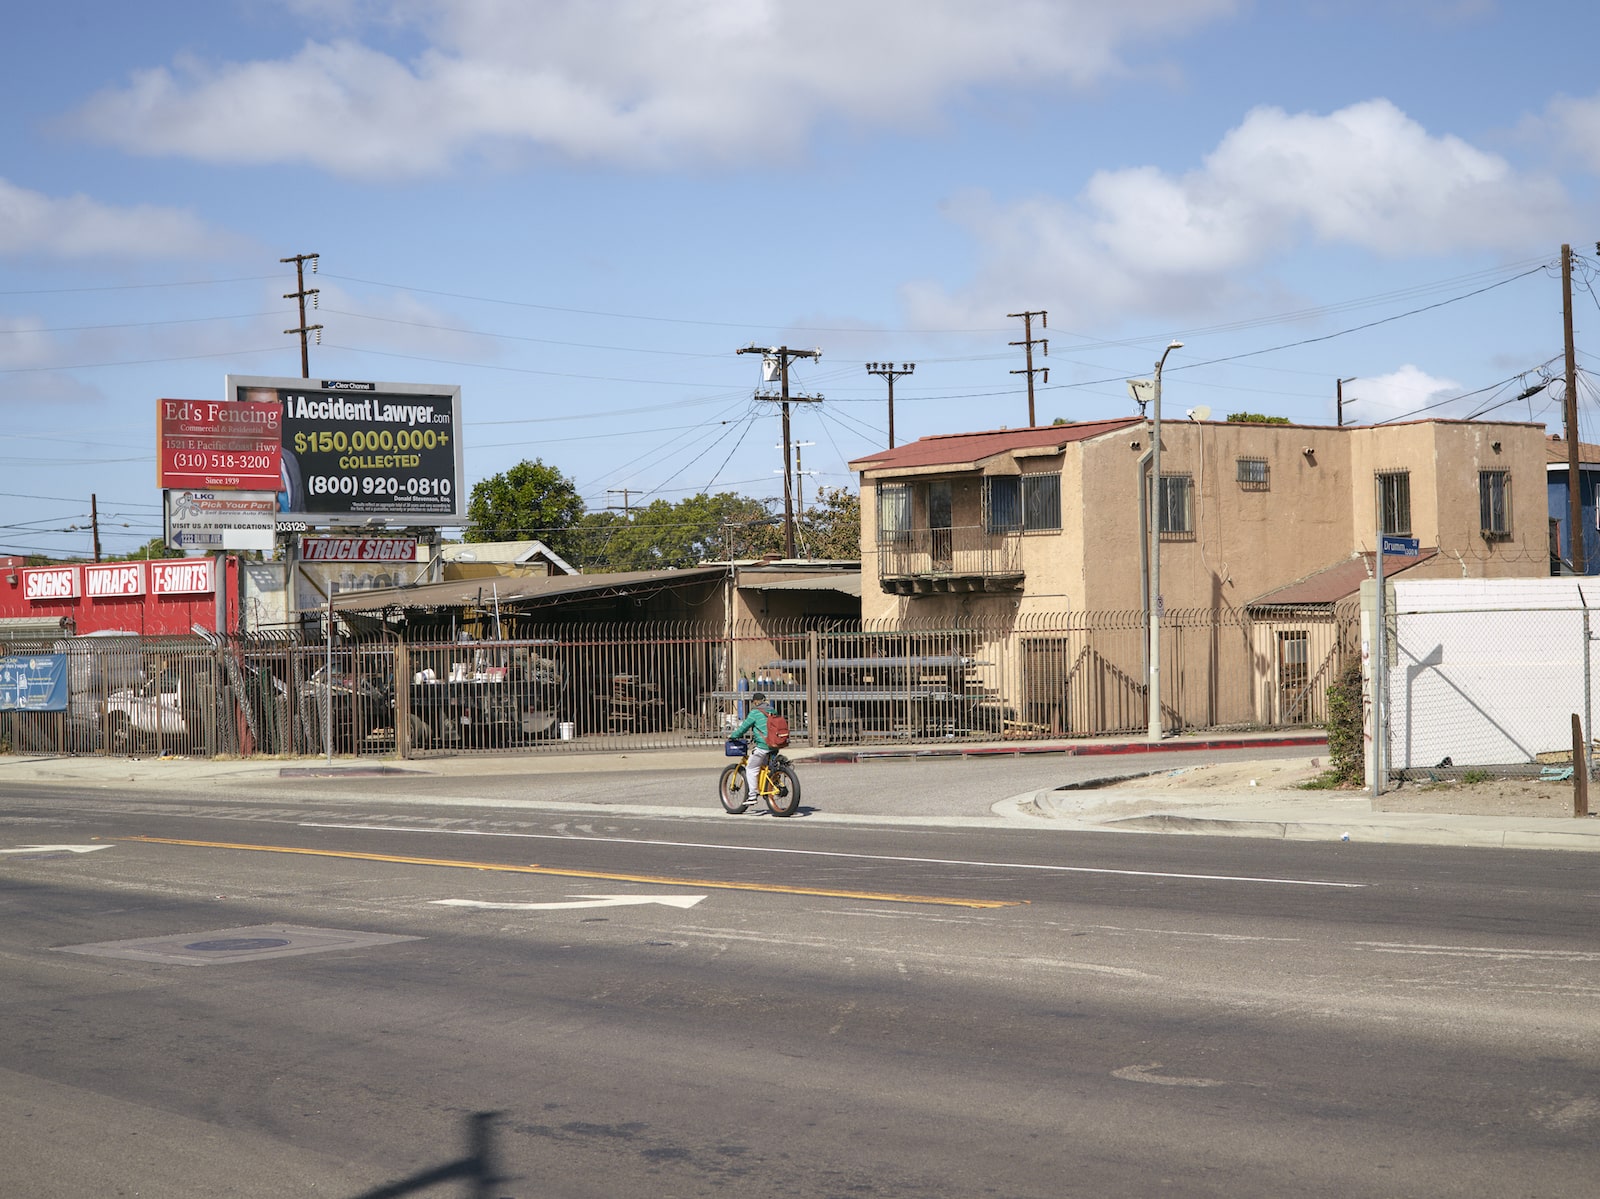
(752, 771)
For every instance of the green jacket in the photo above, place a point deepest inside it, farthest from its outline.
(755, 723)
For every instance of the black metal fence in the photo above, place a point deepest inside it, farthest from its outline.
(584, 687)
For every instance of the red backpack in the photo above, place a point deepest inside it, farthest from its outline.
(777, 732)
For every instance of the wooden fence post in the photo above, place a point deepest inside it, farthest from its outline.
(1580, 770)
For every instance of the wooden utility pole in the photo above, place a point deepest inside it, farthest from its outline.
(777, 358)
(1028, 342)
(94, 523)
(886, 370)
(300, 293)
(1575, 529)
(624, 492)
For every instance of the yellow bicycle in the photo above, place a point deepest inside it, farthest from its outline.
(776, 783)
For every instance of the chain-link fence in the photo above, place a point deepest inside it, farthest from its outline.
(569, 687)
(1483, 688)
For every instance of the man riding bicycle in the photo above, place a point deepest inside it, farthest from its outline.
(756, 725)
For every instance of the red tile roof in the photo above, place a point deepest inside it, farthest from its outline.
(952, 449)
(1333, 583)
(1555, 451)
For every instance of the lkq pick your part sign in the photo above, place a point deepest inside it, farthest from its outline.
(354, 451)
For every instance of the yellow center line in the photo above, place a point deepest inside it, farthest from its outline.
(656, 880)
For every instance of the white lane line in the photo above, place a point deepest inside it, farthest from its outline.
(863, 857)
(587, 901)
(55, 849)
(1480, 951)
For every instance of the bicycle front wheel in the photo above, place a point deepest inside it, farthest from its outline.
(784, 799)
(731, 789)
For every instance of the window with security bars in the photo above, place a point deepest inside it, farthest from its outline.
(1394, 503)
(1177, 506)
(1027, 503)
(1253, 474)
(1494, 504)
(894, 513)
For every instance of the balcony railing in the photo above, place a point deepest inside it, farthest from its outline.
(970, 558)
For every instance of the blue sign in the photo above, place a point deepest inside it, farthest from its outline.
(33, 683)
(1404, 547)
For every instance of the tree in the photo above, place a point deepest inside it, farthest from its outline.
(831, 528)
(529, 500)
(659, 535)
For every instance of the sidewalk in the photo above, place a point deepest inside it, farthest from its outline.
(1082, 806)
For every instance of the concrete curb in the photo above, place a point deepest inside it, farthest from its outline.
(1484, 832)
(1067, 749)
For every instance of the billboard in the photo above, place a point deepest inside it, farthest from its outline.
(218, 446)
(359, 453)
(221, 520)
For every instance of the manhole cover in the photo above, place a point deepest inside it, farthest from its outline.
(218, 946)
(233, 944)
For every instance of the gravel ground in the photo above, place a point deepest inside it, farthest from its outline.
(1493, 797)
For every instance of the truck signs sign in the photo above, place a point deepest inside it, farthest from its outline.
(358, 549)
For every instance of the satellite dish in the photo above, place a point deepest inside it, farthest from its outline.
(1201, 413)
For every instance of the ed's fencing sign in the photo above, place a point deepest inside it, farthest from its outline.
(354, 451)
(33, 683)
(221, 447)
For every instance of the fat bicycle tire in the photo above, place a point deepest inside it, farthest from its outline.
(785, 801)
(731, 790)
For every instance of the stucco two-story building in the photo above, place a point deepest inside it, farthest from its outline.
(1042, 530)
(1054, 518)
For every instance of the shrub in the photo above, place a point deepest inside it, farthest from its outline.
(1346, 749)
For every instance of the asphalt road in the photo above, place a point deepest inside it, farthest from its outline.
(930, 787)
(826, 1010)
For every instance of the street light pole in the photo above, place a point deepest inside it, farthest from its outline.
(1153, 683)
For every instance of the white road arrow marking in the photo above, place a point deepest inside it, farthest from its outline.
(590, 901)
(55, 849)
(1146, 1073)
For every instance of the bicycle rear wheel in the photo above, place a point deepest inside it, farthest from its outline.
(731, 789)
(785, 800)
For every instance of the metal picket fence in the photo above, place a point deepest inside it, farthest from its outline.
(574, 687)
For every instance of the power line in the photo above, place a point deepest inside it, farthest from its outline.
(180, 320)
(89, 366)
(634, 316)
(64, 291)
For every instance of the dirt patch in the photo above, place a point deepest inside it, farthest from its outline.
(1492, 797)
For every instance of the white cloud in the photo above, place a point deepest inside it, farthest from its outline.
(653, 83)
(1576, 123)
(1139, 239)
(32, 223)
(1403, 393)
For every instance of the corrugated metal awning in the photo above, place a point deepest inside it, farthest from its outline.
(845, 584)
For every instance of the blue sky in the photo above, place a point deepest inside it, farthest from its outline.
(580, 211)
